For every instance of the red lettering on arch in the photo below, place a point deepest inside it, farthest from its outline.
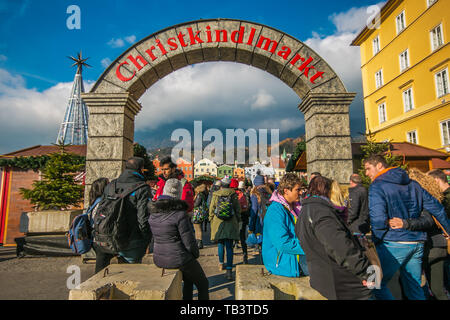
(121, 76)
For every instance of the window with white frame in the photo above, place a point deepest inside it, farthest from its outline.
(400, 22)
(445, 130)
(376, 45)
(441, 78)
(404, 60)
(411, 136)
(437, 38)
(430, 2)
(382, 112)
(379, 78)
(408, 100)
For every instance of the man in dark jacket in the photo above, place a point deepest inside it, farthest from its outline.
(393, 194)
(358, 211)
(137, 214)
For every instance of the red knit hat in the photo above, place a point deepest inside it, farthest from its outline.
(234, 183)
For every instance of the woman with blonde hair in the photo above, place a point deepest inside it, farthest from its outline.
(339, 200)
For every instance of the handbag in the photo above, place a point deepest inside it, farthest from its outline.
(371, 253)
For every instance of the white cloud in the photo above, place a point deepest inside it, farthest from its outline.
(119, 43)
(130, 39)
(116, 43)
(345, 60)
(205, 92)
(262, 100)
(355, 19)
(29, 117)
(106, 62)
(3, 58)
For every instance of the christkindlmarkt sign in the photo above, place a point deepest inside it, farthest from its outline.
(113, 101)
(187, 37)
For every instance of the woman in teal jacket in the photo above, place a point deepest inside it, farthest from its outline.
(281, 251)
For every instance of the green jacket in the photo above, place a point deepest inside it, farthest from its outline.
(221, 229)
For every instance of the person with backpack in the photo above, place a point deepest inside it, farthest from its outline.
(259, 198)
(80, 233)
(215, 187)
(281, 251)
(224, 216)
(124, 205)
(175, 246)
(200, 213)
(244, 202)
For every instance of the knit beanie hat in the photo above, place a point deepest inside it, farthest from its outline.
(173, 188)
(234, 183)
(259, 180)
(241, 185)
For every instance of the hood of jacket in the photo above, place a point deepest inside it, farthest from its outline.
(318, 200)
(129, 175)
(395, 176)
(224, 192)
(297, 207)
(166, 205)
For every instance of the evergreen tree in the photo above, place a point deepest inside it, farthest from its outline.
(141, 151)
(57, 190)
(383, 148)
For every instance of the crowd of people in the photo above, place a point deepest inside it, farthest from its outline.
(320, 230)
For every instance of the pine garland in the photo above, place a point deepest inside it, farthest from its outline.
(35, 162)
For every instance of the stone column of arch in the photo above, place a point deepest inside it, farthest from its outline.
(327, 131)
(111, 135)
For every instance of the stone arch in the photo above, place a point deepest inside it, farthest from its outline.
(113, 104)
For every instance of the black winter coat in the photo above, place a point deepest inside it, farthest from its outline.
(135, 206)
(358, 211)
(175, 244)
(336, 262)
(426, 223)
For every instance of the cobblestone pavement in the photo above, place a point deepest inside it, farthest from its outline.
(39, 277)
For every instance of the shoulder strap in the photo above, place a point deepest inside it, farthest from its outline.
(440, 226)
(131, 190)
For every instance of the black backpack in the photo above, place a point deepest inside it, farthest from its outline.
(224, 209)
(111, 229)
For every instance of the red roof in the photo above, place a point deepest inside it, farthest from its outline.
(43, 150)
(278, 163)
(409, 150)
(440, 164)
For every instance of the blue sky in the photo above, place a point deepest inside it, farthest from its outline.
(35, 74)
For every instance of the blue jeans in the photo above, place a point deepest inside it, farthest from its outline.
(406, 257)
(228, 244)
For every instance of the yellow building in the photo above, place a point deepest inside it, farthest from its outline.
(405, 73)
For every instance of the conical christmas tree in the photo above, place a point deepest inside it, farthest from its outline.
(74, 128)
